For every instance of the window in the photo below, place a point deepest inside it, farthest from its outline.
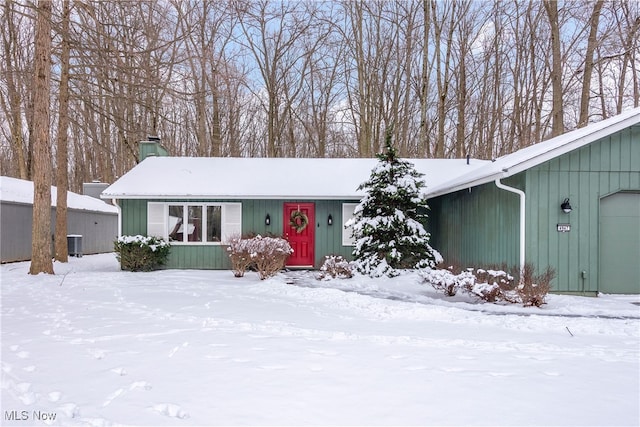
(347, 214)
(199, 223)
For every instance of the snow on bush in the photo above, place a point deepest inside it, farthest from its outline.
(493, 285)
(335, 266)
(266, 254)
(141, 253)
(240, 251)
(388, 223)
(447, 282)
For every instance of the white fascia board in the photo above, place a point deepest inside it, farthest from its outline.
(223, 197)
(465, 185)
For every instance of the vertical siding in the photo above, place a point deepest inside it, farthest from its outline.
(481, 227)
(98, 230)
(478, 227)
(328, 239)
(585, 176)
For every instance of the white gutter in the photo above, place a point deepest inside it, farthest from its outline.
(115, 203)
(522, 219)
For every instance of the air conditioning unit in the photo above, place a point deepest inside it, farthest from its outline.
(74, 242)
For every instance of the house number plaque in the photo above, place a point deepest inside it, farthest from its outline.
(563, 228)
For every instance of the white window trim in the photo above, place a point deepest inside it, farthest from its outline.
(347, 214)
(230, 220)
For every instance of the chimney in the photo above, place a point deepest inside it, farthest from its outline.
(150, 148)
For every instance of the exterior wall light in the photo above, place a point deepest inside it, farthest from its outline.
(267, 220)
(330, 220)
(566, 206)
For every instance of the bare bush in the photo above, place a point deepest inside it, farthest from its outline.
(335, 266)
(533, 289)
(240, 254)
(270, 255)
(267, 254)
(448, 282)
(493, 285)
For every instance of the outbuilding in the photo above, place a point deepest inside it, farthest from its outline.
(91, 223)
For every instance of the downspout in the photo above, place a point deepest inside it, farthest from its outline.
(522, 219)
(115, 203)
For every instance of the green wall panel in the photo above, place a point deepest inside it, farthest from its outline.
(476, 228)
(469, 228)
(328, 238)
(585, 176)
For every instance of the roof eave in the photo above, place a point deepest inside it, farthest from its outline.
(466, 185)
(226, 197)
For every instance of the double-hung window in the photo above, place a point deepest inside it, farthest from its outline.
(194, 223)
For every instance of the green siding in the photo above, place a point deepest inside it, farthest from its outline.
(464, 222)
(328, 239)
(477, 228)
(150, 148)
(585, 176)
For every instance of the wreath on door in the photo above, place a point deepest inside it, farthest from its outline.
(298, 220)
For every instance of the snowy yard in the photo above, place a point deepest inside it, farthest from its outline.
(96, 346)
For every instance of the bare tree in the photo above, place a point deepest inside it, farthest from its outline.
(41, 237)
(585, 95)
(16, 66)
(557, 110)
(443, 27)
(425, 73)
(62, 151)
(629, 30)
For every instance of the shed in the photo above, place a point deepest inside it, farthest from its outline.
(218, 198)
(92, 218)
(571, 202)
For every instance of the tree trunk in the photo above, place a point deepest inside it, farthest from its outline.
(62, 179)
(585, 96)
(557, 110)
(423, 147)
(41, 237)
(11, 45)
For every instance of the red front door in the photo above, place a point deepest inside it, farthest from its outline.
(299, 229)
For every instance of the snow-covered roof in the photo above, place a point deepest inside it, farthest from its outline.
(20, 191)
(534, 155)
(265, 178)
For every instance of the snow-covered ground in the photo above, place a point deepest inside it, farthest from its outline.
(93, 345)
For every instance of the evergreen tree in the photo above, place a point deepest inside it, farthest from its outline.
(388, 224)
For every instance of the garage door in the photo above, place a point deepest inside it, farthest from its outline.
(620, 244)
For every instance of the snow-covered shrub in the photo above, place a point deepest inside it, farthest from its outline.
(141, 253)
(270, 255)
(240, 254)
(388, 223)
(493, 285)
(446, 281)
(335, 266)
(266, 254)
(532, 289)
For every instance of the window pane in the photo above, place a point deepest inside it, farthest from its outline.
(175, 223)
(214, 221)
(194, 229)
